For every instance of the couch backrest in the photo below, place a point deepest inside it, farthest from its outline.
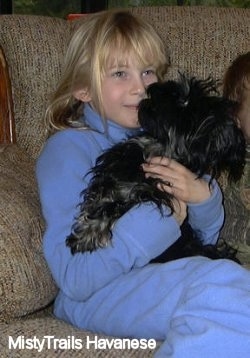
(34, 47)
(202, 41)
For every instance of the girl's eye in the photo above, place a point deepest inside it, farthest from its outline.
(149, 72)
(119, 74)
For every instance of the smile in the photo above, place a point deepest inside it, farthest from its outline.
(132, 107)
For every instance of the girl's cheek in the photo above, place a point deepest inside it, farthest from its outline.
(150, 79)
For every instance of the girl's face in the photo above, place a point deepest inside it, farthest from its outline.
(244, 116)
(123, 87)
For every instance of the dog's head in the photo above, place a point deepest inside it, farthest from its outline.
(195, 125)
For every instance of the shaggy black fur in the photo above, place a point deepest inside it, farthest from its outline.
(186, 120)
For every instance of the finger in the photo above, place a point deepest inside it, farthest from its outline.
(158, 170)
(163, 174)
(174, 168)
(168, 187)
(165, 161)
(159, 161)
(179, 206)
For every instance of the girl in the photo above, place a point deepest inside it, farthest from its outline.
(236, 86)
(194, 305)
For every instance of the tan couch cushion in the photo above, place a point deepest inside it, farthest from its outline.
(34, 47)
(25, 282)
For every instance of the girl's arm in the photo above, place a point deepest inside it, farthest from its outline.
(207, 217)
(138, 236)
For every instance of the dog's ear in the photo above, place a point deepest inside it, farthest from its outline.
(220, 141)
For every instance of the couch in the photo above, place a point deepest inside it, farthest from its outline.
(202, 42)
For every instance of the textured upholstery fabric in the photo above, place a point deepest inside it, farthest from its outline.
(202, 41)
(25, 282)
(34, 56)
(237, 208)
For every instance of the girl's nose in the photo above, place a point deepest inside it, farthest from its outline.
(138, 87)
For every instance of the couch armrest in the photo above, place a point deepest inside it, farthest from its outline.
(7, 125)
(26, 284)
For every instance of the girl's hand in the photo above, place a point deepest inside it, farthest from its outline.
(180, 181)
(180, 211)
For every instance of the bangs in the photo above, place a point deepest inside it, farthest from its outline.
(117, 51)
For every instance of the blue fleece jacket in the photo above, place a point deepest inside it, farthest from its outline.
(189, 304)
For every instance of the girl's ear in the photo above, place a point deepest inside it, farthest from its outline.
(82, 95)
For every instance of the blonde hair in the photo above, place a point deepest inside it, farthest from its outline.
(101, 36)
(237, 79)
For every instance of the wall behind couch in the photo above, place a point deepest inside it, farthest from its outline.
(63, 8)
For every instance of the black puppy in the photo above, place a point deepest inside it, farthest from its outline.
(185, 120)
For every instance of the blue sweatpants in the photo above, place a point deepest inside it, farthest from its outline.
(195, 306)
